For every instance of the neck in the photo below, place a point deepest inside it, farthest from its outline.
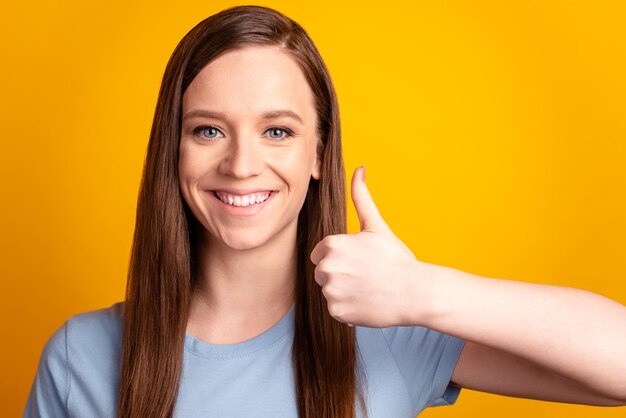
(240, 293)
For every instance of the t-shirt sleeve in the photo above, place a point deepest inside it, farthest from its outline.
(49, 392)
(426, 359)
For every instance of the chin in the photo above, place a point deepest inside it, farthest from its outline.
(243, 242)
(242, 246)
(249, 238)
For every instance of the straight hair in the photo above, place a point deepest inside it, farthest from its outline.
(161, 272)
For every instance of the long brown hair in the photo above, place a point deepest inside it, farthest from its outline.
(161, 270)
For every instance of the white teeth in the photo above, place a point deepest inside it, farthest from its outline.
(247, 200)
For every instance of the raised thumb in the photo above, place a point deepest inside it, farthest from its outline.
(369, 216)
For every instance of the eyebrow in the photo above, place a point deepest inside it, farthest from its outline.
(270, 114)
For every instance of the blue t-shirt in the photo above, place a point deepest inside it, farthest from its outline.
(407, 369)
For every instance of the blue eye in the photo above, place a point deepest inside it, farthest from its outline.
(279, 133)
(207, 132)
(211, 132)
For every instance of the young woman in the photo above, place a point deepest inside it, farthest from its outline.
(246, 297)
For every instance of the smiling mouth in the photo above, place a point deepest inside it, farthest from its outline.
(245, 200)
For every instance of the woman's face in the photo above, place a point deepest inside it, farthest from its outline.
(248, 145)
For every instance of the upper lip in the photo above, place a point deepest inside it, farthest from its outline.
(241, 192)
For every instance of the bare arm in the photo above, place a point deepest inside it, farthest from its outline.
(488, 369)
(528, 340)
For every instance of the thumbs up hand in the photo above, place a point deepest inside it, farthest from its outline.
(366, 277)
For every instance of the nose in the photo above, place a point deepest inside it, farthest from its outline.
(242, 159)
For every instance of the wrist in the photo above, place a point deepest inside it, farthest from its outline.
(424, 287)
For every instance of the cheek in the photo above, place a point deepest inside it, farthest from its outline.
(295, 169)
(193, 162)
(189, 170)
(299, 163)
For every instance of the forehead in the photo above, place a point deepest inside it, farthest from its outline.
(251, 80)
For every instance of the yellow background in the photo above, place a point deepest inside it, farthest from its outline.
(493, 134)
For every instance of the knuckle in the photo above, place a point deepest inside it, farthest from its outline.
(332, 241)
(324, 267)
(319, 277)
(326, 293)
(334, 310)
(330, 290)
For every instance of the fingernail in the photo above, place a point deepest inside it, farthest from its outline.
(363, 173)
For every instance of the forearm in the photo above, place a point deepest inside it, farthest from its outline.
(576, 333)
